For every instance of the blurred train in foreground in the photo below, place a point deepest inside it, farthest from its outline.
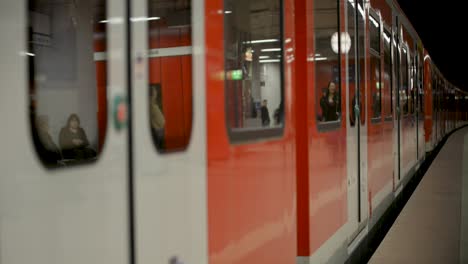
(232, 131)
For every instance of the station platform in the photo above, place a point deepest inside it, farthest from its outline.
(433, 225)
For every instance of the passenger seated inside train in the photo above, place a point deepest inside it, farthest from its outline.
(74, 142)
(329, 103)
(157, 118)
(46, 148)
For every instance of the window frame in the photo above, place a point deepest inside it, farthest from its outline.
(162, 52)
(32, 90)
(335, 125)
(249, 135)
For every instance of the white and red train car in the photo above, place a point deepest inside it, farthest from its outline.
(221, 131)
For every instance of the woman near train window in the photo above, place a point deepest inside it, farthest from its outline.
(330, 104)
(74, 142)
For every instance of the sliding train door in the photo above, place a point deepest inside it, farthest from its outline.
(168, 134)
(356, 123)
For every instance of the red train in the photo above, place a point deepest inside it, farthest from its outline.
(222, 131)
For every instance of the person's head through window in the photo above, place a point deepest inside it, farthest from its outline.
(331, 90)
(73, 140)
(73, 122)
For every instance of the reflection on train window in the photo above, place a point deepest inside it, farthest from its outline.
(404, 82)
(253, 69)
(67, 80)
(326, 59)
(375, 82)
(170, 73)
(361, 46)
(387, 86)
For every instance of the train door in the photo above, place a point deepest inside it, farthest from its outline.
(168, 138)
(64, 185)
(356, 124)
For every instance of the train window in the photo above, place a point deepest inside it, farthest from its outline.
(361, 50)
(404, 82)
(327, 66)
(374, 33)
(420, 85)
(352, 63)
(253, 69)
(375, 81)
(67, 80)
(387, 78)
(170, 74)
(411, 88)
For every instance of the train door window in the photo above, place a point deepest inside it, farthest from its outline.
(361, 47)
(170, 74)
(404, 82)
(327, 66)
(253, 69)
(420, 85)
(375, 80)
(411, 87)
(67, 80)
(387, 86)
(352, 62)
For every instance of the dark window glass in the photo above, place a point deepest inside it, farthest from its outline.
(375, 86)
(404, 82)
(375, 81)
(352, 63)
(387, 78)
(170, 73)
(421, 85)
(326, 58)
(67, 79)
(374, 34)
(361, 45)
(412, 85)
(253, 69)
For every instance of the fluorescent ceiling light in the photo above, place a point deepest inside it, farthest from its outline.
(112, 20)
(264, 57)
(361, 10)
(268, 50)
(321, 59)
(317, 59)
(266, 61)
(227, 12)
(372, 19)
(288, 40)
(386, 37)
(25, 53)
(139, 19)
(261, 41)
